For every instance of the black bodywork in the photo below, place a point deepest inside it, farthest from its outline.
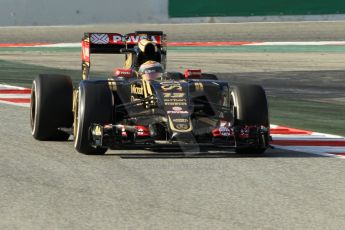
(172, 111)
(184, 112)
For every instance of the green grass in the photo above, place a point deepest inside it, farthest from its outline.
(315, 116)
(22, 74)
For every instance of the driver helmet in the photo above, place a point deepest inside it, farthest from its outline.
(151, 70)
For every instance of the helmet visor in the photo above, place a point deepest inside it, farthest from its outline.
(152, 76)
(152, 73)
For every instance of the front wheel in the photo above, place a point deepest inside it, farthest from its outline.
(251, 109)
(94, 107)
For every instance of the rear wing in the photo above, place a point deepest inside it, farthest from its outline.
(112, 43)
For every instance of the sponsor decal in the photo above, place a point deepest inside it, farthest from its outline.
(123, 72)
(137, 90)
(134, 99)
(175, 99)
(173, 95)
(176, 108)
(177, 112)
(134, 39)
(175, 103)
(118, 39)
(180, 120)
(142, 131)
(100, 39)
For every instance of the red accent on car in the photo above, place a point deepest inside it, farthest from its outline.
(117, 72)
(123, 132)
(85, 51)
(142, 131)
(222, 132)
(216, 133)
(15, 91)
(192, 73)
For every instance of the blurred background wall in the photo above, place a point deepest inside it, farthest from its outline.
(76, 12)
(202, 8)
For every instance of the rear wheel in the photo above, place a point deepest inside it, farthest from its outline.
(251, 109)
(94, 106)
(51, 107)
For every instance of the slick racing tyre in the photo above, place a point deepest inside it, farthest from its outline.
(94, 106)
(251, 109)
(51, 107)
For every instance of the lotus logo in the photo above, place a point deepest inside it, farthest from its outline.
(177, 108)
(182, 126)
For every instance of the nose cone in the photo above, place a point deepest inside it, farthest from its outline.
(183, 137)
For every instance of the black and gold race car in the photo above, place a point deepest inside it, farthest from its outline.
(181, 110)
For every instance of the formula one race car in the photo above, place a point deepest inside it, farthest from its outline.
(129, 111)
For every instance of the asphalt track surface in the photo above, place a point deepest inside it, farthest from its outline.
(47, 185)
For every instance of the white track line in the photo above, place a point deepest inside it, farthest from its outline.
(316, 43)
(15, 95)
(307, 137)
(61, 45)
(3, 86)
